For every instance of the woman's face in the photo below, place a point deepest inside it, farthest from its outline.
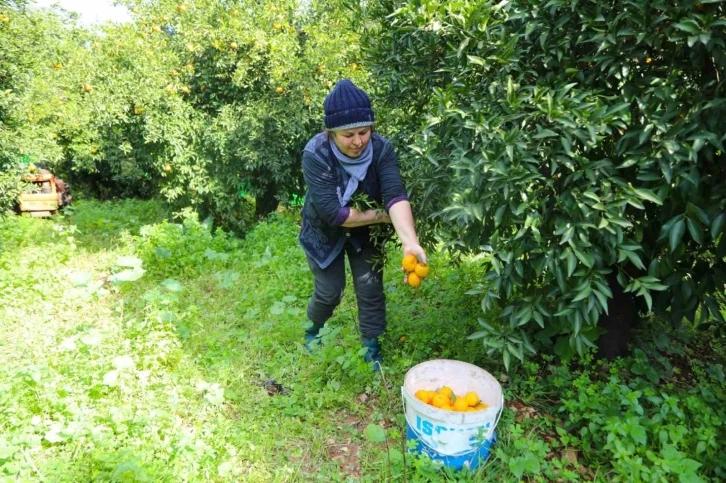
(352, 142)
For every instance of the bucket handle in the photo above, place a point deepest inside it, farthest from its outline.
(413, 427)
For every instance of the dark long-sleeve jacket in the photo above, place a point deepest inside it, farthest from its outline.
(322, 235)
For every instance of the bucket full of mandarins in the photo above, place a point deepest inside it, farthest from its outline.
(452, 409)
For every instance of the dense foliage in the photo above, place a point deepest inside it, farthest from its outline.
(206, 103)
(140, 353)
(580, 143)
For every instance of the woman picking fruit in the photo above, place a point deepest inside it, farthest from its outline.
(348, 158)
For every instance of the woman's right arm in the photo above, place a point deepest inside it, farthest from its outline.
(363, 218)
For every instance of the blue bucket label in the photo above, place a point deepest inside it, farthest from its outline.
(429, 429)
(471, 459)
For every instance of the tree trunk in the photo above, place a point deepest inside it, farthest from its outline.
(618, 322)
(266, 201)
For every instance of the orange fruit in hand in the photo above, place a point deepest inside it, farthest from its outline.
(424, 395)
(409, 263)
(472, 398)
(440, 401)
(414, 280)
(421, 270)
(460, 404)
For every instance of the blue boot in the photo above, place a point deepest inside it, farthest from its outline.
(373, 352)
(311, 334)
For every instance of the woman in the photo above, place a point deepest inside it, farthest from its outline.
(348, 158)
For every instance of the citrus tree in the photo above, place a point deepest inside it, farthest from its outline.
(29, 103)
(579, 144)
(204, 103)
(256, 73)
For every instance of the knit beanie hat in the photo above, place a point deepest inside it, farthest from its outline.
(347, 106)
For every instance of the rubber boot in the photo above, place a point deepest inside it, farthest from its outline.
(311, 334)
(373, 352)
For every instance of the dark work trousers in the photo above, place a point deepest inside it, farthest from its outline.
(367, 281)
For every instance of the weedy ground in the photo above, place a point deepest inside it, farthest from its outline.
(136, 345)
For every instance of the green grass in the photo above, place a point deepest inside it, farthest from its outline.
(162, 379)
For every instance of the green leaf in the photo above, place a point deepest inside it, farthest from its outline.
(688, 26)
(110, 378)
(277, 308)
(375, 433)
(567, 236)
(516, 466)
(648, 299)
(473, 59)
(131, 262)
(616, 108)
(499, 215)
(583, 294)
(638, 434)
(676, 233)
(696, 231)
(645, 194)
(592, 196)
(717, 225)
(602, 299)
(123, 362)
(695, 212)
(531, 464)
(162, 252)
(571, 262)
(126, 276)
(480, 334)
(634, 259)
(545, 133)
(172, 285)
(81, 279)
(620, 222)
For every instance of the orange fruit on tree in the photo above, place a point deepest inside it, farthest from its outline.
(414, 280)
(409, 263)
(279, 90)
(424, 395)
(472, 398)
(460, 404)
(421, 270)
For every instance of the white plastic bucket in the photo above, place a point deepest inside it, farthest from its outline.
(457, 439)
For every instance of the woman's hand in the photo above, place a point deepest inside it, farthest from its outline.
(417, 250)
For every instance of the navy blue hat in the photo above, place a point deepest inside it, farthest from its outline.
(347, 107)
